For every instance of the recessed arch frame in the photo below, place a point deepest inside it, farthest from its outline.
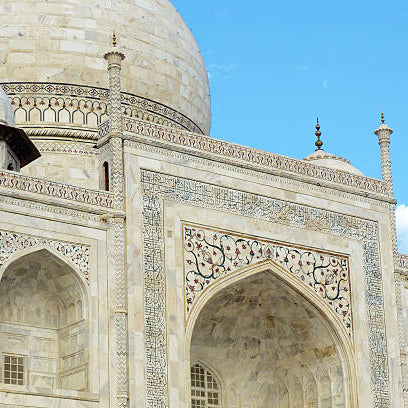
(85, 296)
(329, 318)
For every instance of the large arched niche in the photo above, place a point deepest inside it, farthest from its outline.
(43, 324)
(272, 342)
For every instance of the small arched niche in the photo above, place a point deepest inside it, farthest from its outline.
(105, 176)
(43, 325)
(270, 346)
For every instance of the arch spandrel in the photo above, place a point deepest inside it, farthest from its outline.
(212, 256)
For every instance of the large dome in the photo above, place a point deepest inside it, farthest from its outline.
(63, 41)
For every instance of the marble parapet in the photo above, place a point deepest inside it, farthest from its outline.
(255, 159)
(12, 181)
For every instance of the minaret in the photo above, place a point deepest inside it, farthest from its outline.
(384, 132)
(110, 147)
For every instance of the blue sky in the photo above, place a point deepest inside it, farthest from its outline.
(275, 66)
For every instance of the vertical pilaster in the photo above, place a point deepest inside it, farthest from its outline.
(384, 133)
(114, 147)
(114, 59)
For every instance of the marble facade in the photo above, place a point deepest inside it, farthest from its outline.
(164, 193)
(203, 274)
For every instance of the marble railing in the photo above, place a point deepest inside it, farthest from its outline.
(249, 155)
(79, 195)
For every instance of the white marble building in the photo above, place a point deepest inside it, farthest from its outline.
(146, 264)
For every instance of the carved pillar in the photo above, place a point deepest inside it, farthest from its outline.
(112, 150)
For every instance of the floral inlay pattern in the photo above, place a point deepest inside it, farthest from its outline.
(210, 255)
(11, 242)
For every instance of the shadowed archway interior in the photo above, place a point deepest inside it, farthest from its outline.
(43, 325)
(269, 346)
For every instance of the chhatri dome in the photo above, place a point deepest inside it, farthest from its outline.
(321, 158)
(63, 41)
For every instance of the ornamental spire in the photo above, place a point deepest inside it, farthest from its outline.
(382, 117)
(114, 43)
(318, 143)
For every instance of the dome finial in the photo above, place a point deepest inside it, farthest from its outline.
(114, 43)
(382, 117)
(318, 143)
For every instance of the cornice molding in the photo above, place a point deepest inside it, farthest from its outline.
(53, 131)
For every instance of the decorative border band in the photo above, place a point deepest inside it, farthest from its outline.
(76, 104)
(20, 182)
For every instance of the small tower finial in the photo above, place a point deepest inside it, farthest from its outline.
(318, 143)
(382, 117)
(114, 43)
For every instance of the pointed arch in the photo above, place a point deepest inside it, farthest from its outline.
(44, 290)
(276, 271)
(20, 253)
(76, 273)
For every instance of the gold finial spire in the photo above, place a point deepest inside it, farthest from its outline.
(114, 43)
(382, 117)
(318, 143)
